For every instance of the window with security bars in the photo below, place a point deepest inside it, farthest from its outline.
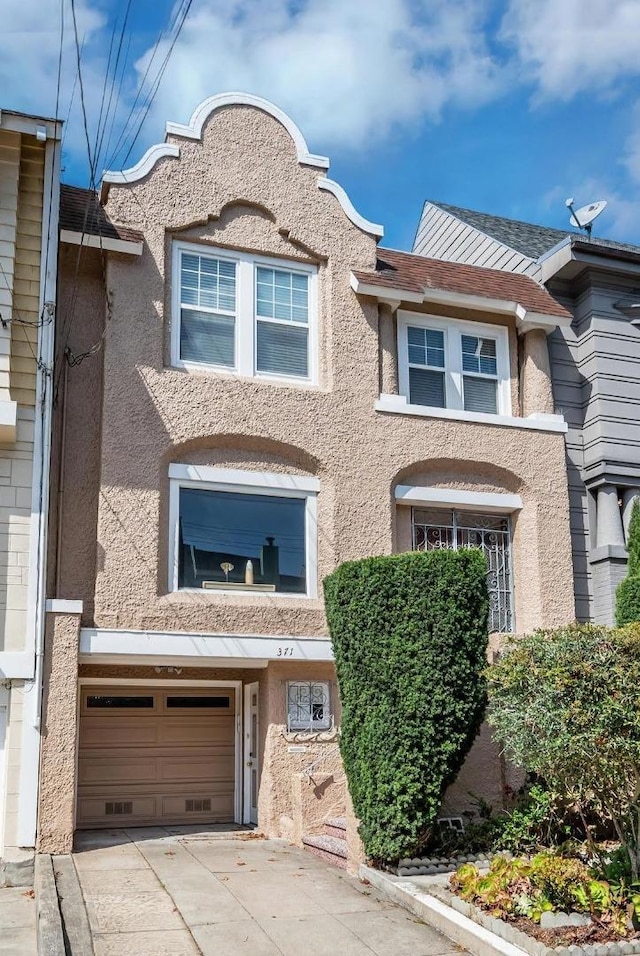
(436, 528)
(308, 705)
(444, 363)
(236, 312)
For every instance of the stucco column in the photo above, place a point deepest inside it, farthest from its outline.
(629, 496)
(537, 395)
(59, 714)
(388, 349)
(609, 519)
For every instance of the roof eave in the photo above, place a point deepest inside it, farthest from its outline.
(526, 319)
(106, 243)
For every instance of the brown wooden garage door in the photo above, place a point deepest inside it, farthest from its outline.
(155, 756)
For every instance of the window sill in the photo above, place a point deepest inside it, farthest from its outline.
(247, 592)
(215, 371)
(398, 405)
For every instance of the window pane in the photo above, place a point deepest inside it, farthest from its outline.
(426, 387)
(282, 295)
(282, 349)
(116, 703)
(242, 540)
(426, 346)
(209, 338)
(479, 355)
(207, 282)
(308, 705)
(480, 394)
(190, 702)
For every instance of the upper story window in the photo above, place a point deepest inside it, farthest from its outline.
(242, 531)
(239, 313)
(444, 363)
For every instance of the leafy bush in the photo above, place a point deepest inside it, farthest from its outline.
(565, 704)
(628, 593)
(409, 635)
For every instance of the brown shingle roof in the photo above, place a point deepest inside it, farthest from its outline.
(405, 272)
(81, 211)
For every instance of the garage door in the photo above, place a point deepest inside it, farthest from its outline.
(155, 756)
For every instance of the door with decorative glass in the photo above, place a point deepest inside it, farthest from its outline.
(251, 752)
(436, 528)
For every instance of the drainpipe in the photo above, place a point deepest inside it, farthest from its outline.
(30, 752)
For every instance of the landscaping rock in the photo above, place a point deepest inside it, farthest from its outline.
(552, 920)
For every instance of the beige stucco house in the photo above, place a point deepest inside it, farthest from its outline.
(254, 392)
(29, 195)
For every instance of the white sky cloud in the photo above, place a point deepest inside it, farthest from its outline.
(565, 47)
(348, 72)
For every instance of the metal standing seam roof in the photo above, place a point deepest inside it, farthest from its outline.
(526, 237)
(405, 271)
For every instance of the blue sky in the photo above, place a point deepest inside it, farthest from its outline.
(507, 106)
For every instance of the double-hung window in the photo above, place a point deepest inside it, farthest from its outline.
(444, 363)
(240, 313)
(238, 531)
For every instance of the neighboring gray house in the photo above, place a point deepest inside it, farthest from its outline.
(595, 369)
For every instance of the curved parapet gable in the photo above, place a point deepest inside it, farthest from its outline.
(373, 228)
(143, 166)
(193, 129)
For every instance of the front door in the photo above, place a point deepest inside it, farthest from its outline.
(251, 758)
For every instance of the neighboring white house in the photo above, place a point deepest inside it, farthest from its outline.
(29, 199)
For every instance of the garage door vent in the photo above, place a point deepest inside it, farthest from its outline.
(118, 807)
(197, 806)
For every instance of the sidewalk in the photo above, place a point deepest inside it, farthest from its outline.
(149, 893)
(17, 922)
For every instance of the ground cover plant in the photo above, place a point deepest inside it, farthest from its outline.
(409, 634)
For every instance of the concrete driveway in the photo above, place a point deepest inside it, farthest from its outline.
(153, 892)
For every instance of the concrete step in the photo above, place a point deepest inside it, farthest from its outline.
(336, 827)
(328, 848)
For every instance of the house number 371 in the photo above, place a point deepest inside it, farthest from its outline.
(285, 650)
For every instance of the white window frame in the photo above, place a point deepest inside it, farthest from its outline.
(312, 727)
(453, 330)
(245, 363)
(207, 478)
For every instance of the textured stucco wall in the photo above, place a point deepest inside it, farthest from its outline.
(58, 748)
(153, 415)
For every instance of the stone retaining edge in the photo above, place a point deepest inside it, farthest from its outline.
(459, 928)
(48, 919)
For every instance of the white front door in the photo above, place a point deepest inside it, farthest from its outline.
(251, 753)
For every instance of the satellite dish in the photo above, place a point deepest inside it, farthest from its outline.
(583, 218)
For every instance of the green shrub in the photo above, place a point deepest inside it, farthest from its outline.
(409, 635)
(628, 593)
(565, 704)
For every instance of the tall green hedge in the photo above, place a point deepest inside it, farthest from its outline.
(628, 593)
(409, 635)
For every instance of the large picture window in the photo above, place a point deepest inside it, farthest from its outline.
(444, 363)
(242, 531)
(435, 528)
(236, 312)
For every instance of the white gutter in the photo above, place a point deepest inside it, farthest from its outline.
(30, 756)
(128, 246)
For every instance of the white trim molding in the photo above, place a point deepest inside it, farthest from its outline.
(193, 129)
(398, 405)
(207, 478)
(144, 166)
(126, 246)
(329, 185)
(58, 606)
(8, 421)
(499, 503)
(104, 645)
(248, 479)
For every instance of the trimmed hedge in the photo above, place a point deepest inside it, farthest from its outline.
(628, 593)
(409, 635)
